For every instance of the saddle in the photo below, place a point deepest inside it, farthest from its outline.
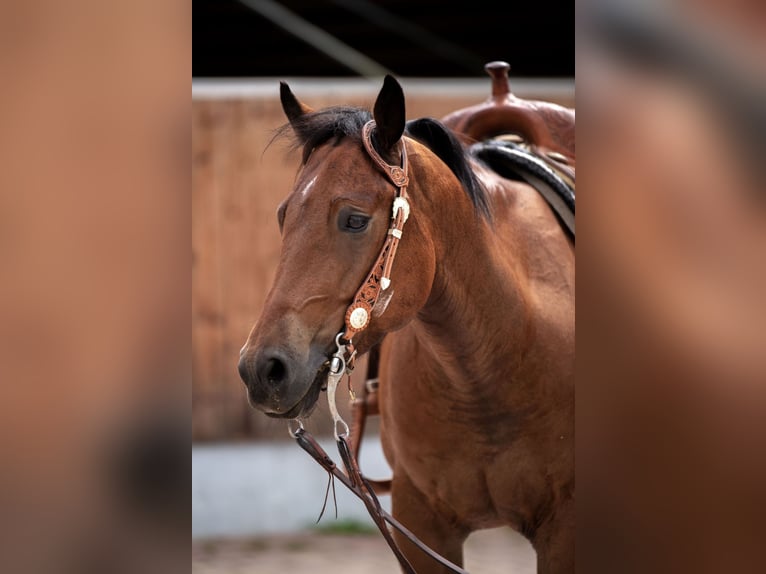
(514, 159)
(548, 128)
(527, 140)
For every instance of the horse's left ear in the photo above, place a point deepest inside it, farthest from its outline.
(293, 108)
(389, 113)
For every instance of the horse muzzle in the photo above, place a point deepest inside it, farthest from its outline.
(280, 384)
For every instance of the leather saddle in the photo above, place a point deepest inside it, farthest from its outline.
(547, 127)
(528, 140)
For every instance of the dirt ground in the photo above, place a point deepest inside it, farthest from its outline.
(486, 552)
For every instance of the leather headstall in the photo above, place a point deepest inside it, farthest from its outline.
(359, 313)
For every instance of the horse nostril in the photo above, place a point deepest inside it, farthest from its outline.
(272, 370)
(275, 371)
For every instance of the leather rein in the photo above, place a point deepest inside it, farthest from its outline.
(357, 318)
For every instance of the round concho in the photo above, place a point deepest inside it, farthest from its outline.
(358, 318)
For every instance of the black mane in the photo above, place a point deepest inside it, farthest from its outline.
(436, 137)
(313, 129)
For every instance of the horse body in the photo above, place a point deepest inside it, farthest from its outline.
(477, 361)
(476, 395)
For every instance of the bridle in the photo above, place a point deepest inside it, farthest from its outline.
(359, 312)
(357, 318)
(379, 278)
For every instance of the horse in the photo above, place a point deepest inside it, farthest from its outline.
(477, 325)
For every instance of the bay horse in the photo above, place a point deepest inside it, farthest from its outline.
(477, 325)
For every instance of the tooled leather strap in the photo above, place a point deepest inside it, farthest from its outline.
(359, 313)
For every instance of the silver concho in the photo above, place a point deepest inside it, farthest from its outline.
(404, 205)
(358, 318)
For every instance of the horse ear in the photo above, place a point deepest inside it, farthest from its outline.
(293, 108)
(389, 113)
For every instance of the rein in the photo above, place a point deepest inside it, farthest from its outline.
(361, 488)
(357, 318)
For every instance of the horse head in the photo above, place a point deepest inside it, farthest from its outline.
(333, 226)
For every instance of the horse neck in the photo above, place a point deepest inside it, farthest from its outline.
(478, 315)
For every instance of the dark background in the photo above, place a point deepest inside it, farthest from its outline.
(422, 38)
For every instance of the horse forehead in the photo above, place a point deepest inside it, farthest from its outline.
(341, 161)
(304, 188)
(339, 169)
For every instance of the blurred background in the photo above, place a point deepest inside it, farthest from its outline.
(256, 495)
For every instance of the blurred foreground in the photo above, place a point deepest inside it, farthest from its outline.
(94, 287)
(671, 315)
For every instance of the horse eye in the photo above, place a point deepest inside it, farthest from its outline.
(355, 223)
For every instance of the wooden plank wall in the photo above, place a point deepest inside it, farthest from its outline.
(238, 181)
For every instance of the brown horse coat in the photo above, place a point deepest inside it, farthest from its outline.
(477, 388)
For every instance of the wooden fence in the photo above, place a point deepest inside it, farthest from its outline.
(238, 181)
